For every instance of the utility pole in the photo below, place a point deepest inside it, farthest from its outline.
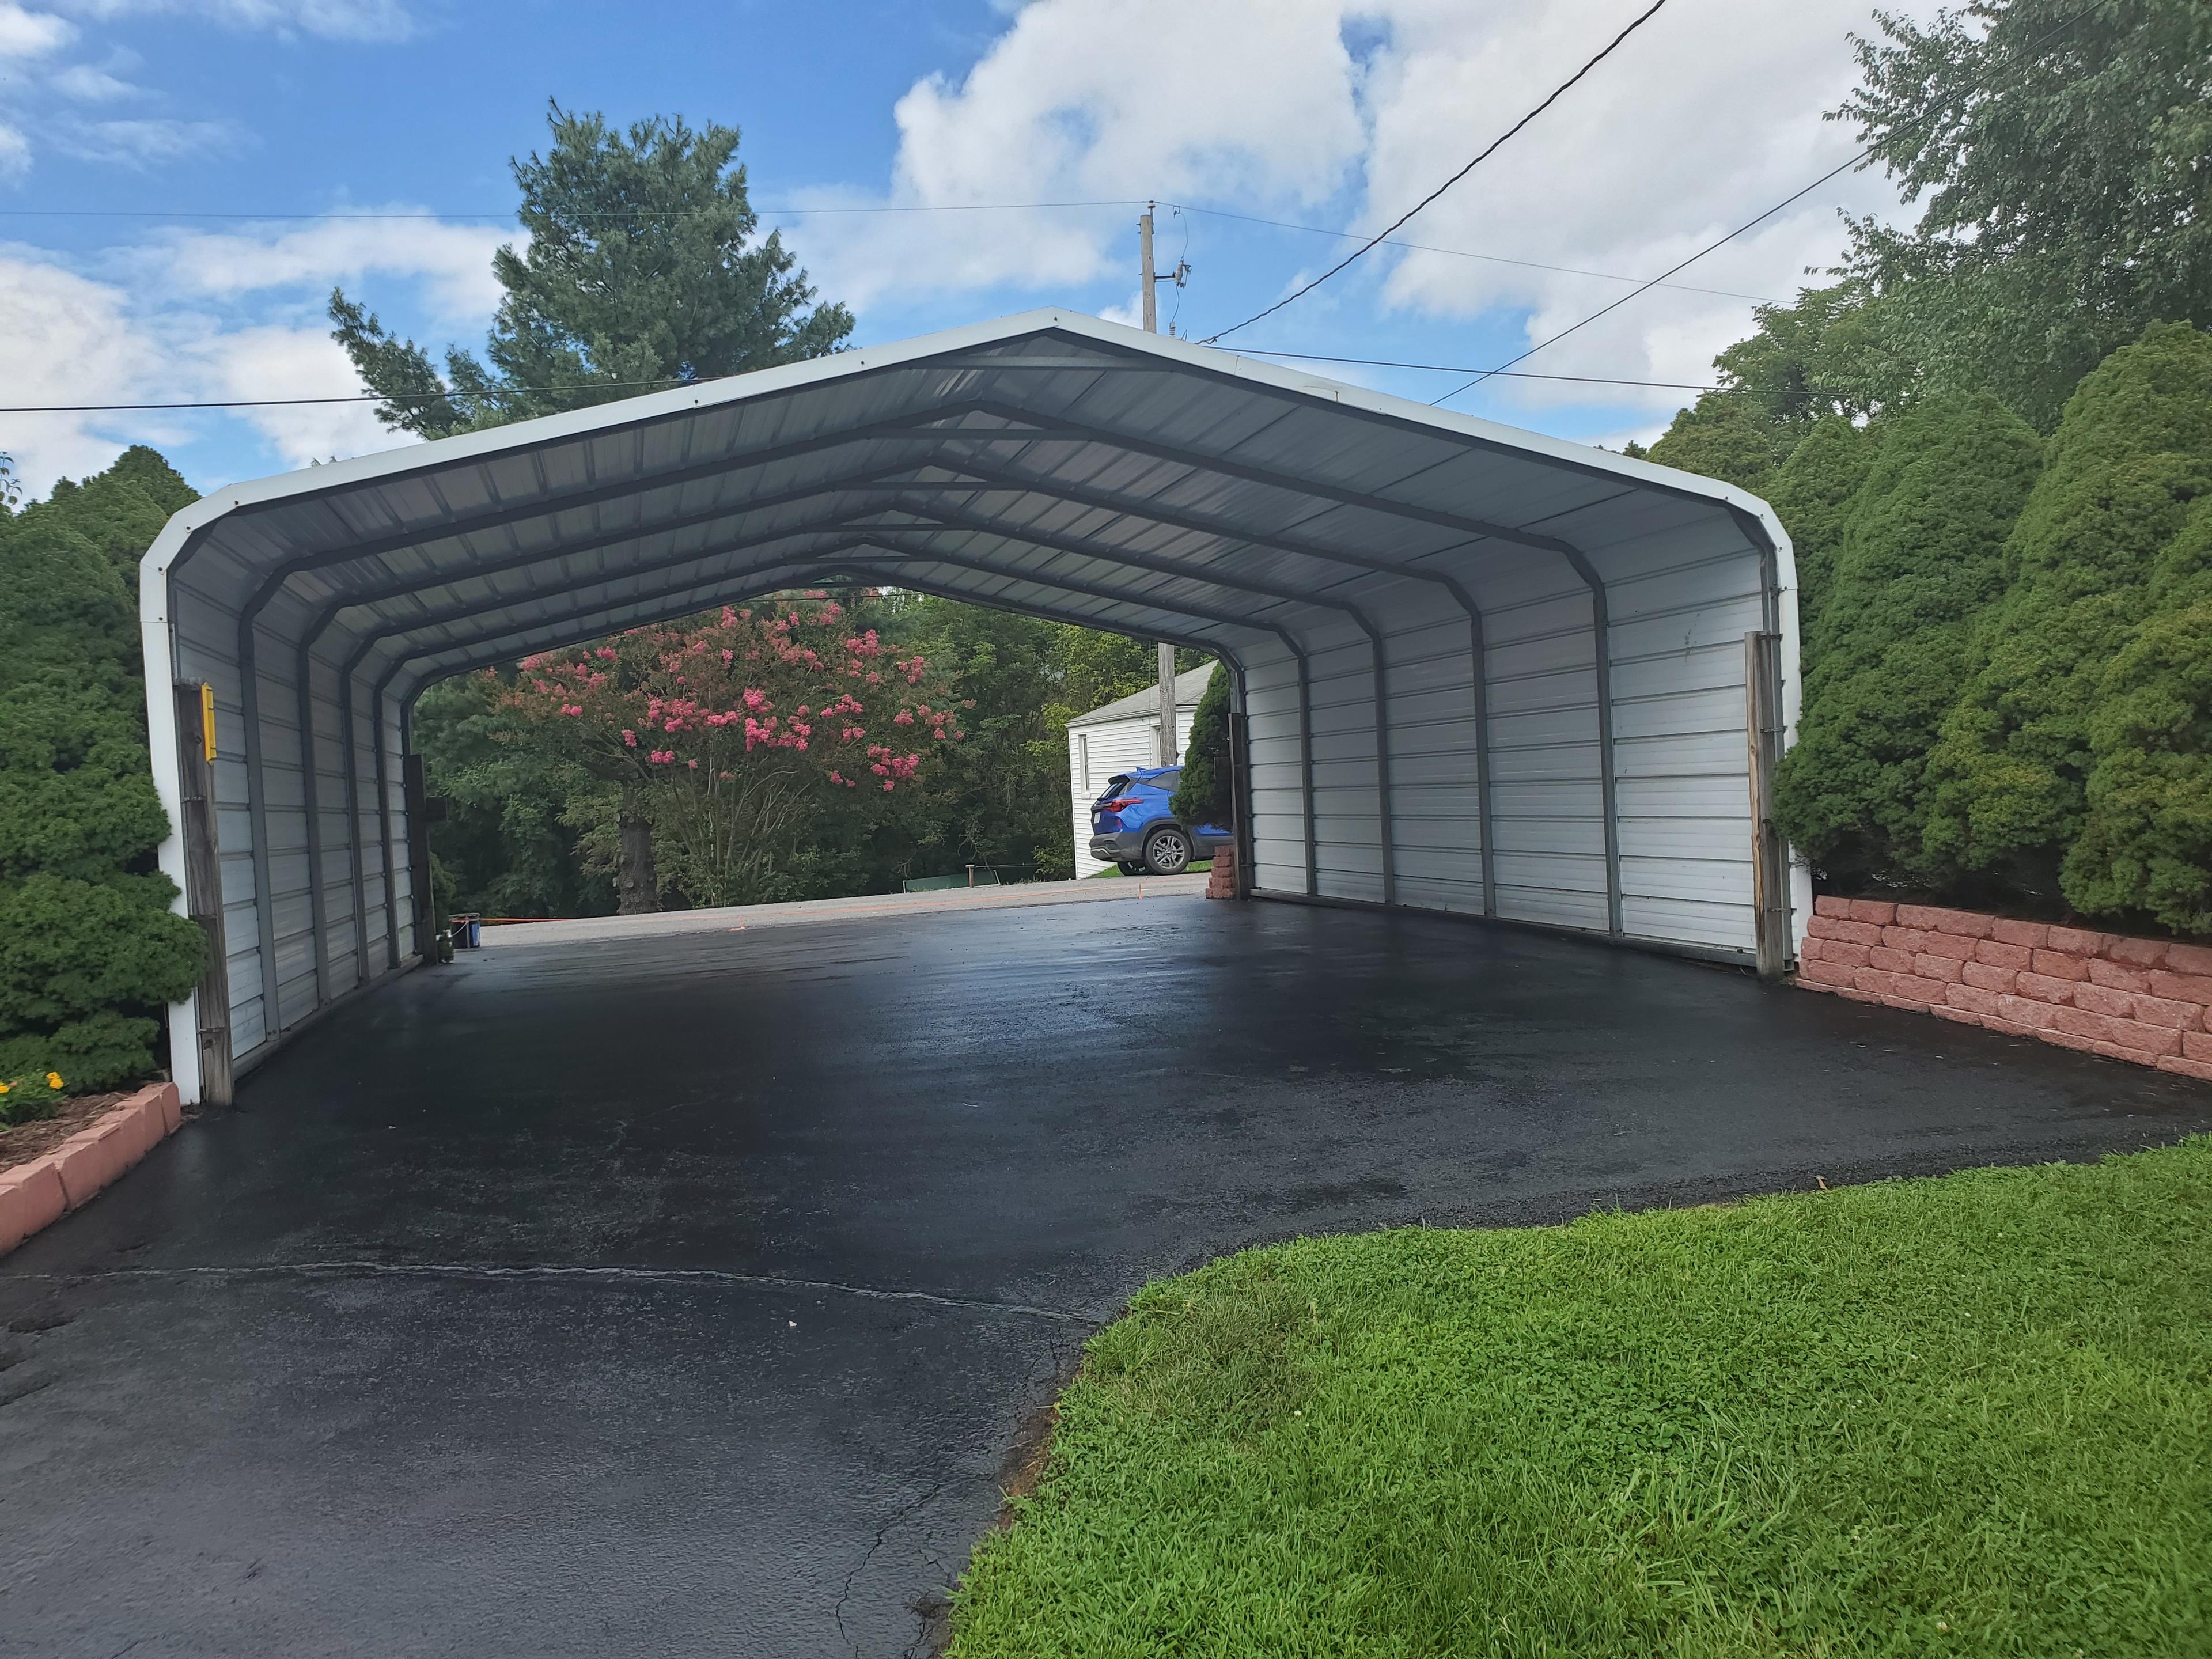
(1150, 283)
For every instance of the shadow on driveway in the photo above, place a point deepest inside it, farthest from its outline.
(684, 1294)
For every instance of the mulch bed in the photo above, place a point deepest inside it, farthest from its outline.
(25, 1141)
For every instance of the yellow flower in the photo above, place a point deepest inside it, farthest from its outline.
(3, 1088)
(53, 1079)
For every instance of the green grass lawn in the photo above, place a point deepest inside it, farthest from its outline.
(1971, 1415)
(1197, 867)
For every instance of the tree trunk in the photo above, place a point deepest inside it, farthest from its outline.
(637, 891)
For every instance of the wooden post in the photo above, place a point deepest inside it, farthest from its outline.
(418, 855)
(204, 885)
(1239, 792)
(1770, 867)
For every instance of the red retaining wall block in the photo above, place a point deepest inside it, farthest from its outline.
(34, 1194)
(2142, 1000)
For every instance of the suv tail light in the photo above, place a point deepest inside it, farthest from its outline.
(1116, 804)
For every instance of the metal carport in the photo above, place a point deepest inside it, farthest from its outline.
(1482, 670)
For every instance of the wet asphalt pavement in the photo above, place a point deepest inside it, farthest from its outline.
(685, 1295)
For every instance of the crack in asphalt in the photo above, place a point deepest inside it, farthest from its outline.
(619, 1275)
(882, 1531)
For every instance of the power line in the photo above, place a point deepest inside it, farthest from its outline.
(777, 209)
(1457, 252)
(1557, 93)
(1461, 369)
(1795, 196)
(455, 395)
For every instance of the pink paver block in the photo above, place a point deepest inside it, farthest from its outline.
(2138, 952)
(88, 1161)
(1957, 1016)
(2043, 988)
(1845, 955)
(1973, 998)
(2199, 1068)
(1964, 923)
(2030, 933)
(2100, 1001)
(1988, 978)
(2185, 1017)
(2031, 1017)
(171, 1106)
(1998, 954)
(2188, 958)
(2056, 964)
(1852, 932)
(2182, 987)
(2078, 942)
(30, 1196)
(1819, 971)
(1876, 911)
(1905, 938)
(1889, 961)
(2197, 1045)
(1825, 906)
(2117, 977)
(1946, 970)
(138, 1122)
(1909, 989)
(1953, 947)
(2144, 1042)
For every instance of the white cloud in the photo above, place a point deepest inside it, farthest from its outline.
(15, 152)
(1252, 99)
(69, 341)
(88, 85)
(381, 21)
(143, 144)
(1703, 117)
(31, 33)
(452, 261)
(277, 362)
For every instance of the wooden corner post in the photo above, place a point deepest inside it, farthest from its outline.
(203, 884)
(1769, 866)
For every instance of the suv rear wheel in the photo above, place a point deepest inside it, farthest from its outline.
(1167, 851)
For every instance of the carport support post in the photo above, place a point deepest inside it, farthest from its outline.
(418, 853)
(1770, 867)
(211, 1003)
(1167, 704)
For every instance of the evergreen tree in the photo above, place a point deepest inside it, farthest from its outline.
(1726, 436)
(2131, 456)
(120, 511)
(1207, 793)
(641, 268)
(1922, 554)
(1811, 493)
(89, 951)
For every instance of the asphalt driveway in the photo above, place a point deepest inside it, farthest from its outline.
(684, 1294)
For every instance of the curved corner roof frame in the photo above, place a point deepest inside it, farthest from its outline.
(1483, 672)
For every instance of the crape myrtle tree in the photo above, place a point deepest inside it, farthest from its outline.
(1921, 557)
(730, 734)
(643, 268)
(2128, 464)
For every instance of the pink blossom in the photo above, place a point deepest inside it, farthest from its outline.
(572, 708)
(629, 737)
(888, 786)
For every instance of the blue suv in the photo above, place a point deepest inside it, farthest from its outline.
(1132, 826)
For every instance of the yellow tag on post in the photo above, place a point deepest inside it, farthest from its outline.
(207, 717)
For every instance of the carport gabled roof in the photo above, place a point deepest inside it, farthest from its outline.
(1048, 462)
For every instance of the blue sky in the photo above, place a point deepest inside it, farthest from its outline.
(181, 181)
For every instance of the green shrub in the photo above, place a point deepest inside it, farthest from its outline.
(89, 951)
(1812, 493)
(2131, 456)
(1207, 793)
(1725, 435)
(1922, 554)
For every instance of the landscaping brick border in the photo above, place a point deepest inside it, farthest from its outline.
(36, 1194)
(2140, 1000)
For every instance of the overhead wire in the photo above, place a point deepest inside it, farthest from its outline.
(1795, 196)
(1488, 150)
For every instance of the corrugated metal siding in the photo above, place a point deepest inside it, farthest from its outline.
(1330, 541)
